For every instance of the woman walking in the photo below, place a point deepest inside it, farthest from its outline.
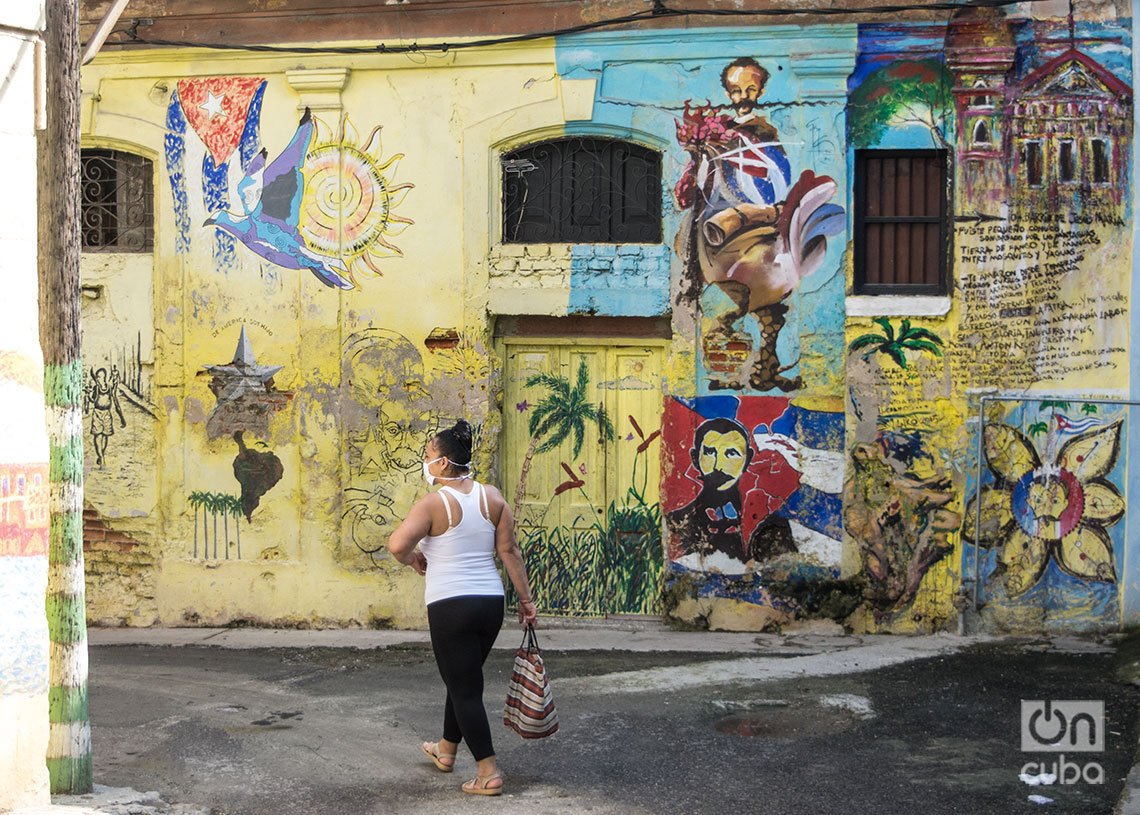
(459, 529)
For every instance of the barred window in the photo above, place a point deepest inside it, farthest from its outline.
(582, 190)
(117, 200)
(901, 216)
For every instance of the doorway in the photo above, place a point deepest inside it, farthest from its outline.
(582, 464)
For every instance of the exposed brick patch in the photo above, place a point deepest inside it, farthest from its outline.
(538, 265)
(120, 574)
(98, 537)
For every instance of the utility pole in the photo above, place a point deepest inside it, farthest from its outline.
(69, 746)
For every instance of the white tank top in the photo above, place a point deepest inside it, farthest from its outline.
(461, 561)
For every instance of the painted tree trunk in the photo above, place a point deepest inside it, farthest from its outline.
(524, 473)
(69, 746)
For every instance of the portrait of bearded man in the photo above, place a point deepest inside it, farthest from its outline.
(728, 516)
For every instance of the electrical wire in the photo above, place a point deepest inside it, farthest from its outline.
(659, 11)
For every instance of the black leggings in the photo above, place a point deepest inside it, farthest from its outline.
(463, 629)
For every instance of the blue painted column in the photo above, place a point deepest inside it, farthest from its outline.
(1130, 569)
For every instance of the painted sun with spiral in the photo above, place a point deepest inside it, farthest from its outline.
(327, 204)
(349, 206)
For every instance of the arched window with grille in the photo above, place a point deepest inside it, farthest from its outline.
(582, 190)
(117, 201)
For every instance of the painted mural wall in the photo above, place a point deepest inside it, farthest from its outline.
(1036, 118)
(331, 279)
(750, 126)
(291, 344)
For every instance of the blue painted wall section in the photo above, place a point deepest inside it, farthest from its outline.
(645, 80)
(622, 280)
(1060, 569)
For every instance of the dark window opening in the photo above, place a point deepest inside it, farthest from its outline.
(1100, 161)
(1067, 161)
(582, 191)
(981, 132)
(117, 202)
(901, 210)
(1033, 163)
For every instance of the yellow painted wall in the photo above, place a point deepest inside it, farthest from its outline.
(299, 564)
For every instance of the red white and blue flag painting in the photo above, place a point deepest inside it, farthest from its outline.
(212, 125)
(789, 475)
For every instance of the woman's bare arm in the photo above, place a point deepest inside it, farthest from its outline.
(402, 542)
(507, 547)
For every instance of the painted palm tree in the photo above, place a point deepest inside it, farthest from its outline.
(233, 507)
(213, 504)
(896, 345)
(196, 500)
(562, 412)
(224, 511)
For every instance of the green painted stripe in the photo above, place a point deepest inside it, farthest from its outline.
(65, 538)
(63, 384)
(67, 623)
(67, 704)
(65, 460)
(70, 776)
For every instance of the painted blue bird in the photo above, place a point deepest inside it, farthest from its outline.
(270, 228)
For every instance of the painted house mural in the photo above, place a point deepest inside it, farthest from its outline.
(1031, 119)
(720, 303)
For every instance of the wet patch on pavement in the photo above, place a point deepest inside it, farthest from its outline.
(783, 723)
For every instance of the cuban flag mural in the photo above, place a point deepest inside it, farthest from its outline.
(212, 137)
(752, 479)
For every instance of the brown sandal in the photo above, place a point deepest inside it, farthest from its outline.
(479, 785)
(431, 750)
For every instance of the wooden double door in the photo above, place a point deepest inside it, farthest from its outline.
(582, 463)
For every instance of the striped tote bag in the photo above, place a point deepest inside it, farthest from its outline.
(530, 707)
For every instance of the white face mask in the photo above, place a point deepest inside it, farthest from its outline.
(431, 479)
(428, 477)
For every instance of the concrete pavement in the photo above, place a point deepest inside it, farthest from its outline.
(255, 722)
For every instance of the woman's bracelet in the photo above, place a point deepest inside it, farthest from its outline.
(526, 602)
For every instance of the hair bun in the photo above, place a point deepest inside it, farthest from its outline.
(463, 432)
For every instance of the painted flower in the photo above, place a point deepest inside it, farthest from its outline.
(1060, 510)
(702, 124)
(629, 437)
(522, 407)
(574, 482)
